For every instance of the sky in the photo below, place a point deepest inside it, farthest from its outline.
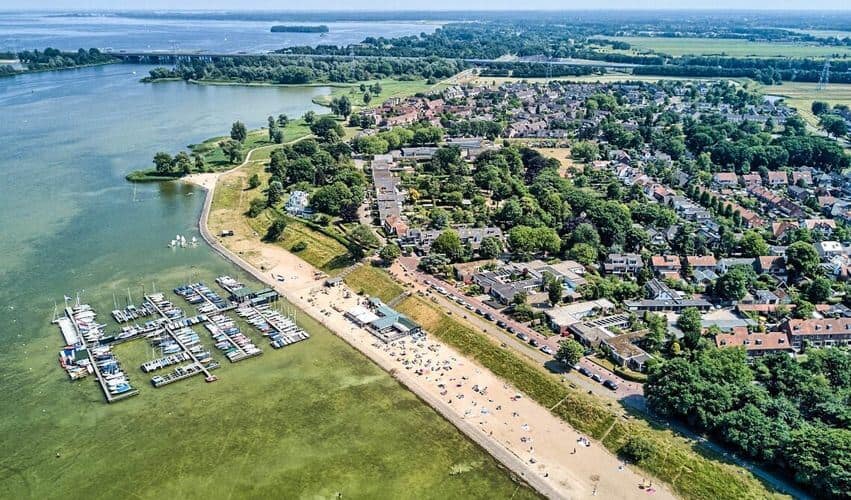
(425, 4)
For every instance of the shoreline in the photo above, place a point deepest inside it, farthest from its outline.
(563, 479)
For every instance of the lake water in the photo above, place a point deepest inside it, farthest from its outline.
(19, 31)
(311, 420)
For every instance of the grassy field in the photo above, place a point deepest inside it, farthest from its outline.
(389, 89)
(801, 96)
(692, 472)
(231, 200)
(373, 282)
(215, 159)
(729, 47)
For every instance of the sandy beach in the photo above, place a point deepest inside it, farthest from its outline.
(529, 440)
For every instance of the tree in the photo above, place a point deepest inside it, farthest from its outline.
(276, 135)
(367, 97)
(834, 125)
(276, 230)
(309, 117)
(583, 253)
(554, 291)
(200, 164)
(362, 239)
(163, 162)
(233, 150)
(183, 163)
(569, 352)
(689, 323)
(389, 253)
(638, 448)
(327, 129)
(282, 120)
(586, 151)
(274, 194)
(438, 218)
(801, 259)
(819, 107)
(238, 131)
(341, 106)
(820, 290)
(254, 181)
(490, 248)
(753, 244)
(256, 206)
(734, 284)
(449, 244)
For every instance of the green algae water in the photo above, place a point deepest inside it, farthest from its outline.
(308, 421)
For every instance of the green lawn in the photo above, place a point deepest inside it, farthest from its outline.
(692, 472)
(215, 159)
(734, 48)
(373, 282)
(389, 88)
(231, 200)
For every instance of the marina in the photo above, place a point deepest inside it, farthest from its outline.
(173, 341)
(281, 330)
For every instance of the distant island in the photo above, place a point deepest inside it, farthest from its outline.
(286, 28)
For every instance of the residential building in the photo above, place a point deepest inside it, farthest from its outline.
(819, 332)
(620, 264)
(754, 343)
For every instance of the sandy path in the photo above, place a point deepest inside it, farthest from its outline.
(521, 434)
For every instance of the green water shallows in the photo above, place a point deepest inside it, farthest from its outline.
(311, 420)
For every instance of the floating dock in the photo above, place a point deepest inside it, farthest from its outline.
(110, 397)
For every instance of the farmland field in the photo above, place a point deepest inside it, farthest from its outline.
(734, 48)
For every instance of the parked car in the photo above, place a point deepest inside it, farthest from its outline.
(523, 337)
(489, 316)
(584, 371)
(611, 385)
(479, 312)
(596, 378)
(501, 324)
(547, 350)
(510, 329)
(533, 342)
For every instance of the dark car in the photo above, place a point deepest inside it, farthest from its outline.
(533, 342)
(488, 316)
(584, 371)
(611, 385)
(510, 329)
(596, 378)
(479, 312)
(501, 324)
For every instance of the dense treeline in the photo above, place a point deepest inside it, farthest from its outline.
(767, 71)
(535, 70)
(50, 58)
(795, 415)
(55, 59)
(271, 69)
